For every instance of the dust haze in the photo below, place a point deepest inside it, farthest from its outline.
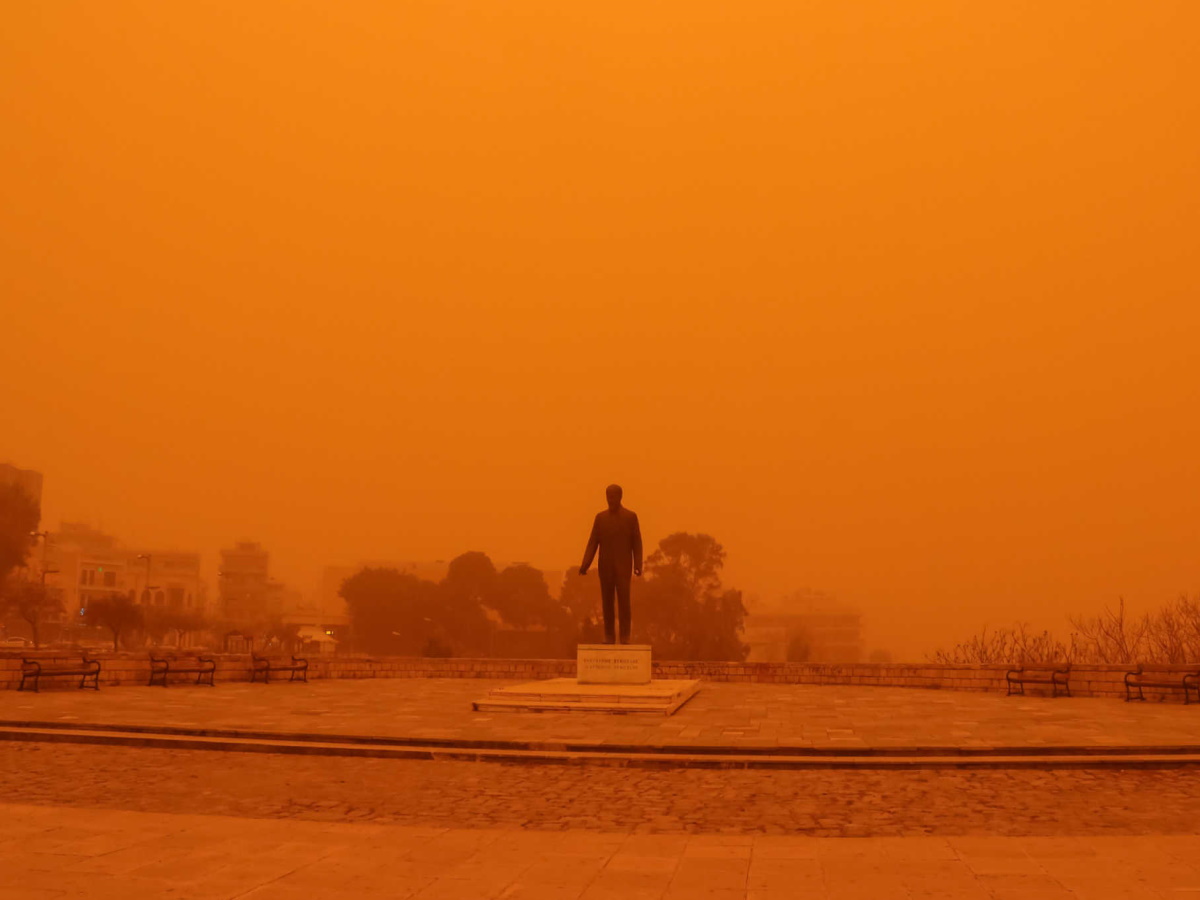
(898, 308)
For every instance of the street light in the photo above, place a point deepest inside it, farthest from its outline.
(146, 557)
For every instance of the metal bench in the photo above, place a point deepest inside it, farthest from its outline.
(264, 666)
(161, 666)
(1185, 678)
(35, 669)
(1055, 675)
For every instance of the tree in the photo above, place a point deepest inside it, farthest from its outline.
(19, 517)
(392, 611)
(465, 592)
(520, 597)
(32, 601)
(579, 597)
(435, 647)
(116, 612)
(522, 600)
(161, 621)
(470, 575)
(799, 647)
(696, 558)
(686, 611)
(285, 634)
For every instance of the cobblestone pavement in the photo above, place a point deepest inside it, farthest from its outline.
(831, 803)
(722, 714)
(50, 852)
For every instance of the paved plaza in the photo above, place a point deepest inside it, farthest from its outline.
(732, 715)
(48, 853)
(87, 820)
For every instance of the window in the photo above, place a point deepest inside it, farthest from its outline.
(145, 598)
(110, 579)
(159, 598)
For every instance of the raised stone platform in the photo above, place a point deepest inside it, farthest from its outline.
(568, 695)
(733, 718)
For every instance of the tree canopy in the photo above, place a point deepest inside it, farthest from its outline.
(684, 610)
(681, 607)
(392, 611)
(116, 612)
(32, 601)
(19, 517)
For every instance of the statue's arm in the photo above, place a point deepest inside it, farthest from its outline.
(637, 545)
(590, 553)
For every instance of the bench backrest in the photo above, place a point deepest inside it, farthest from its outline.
(57, 658)
(175, 657)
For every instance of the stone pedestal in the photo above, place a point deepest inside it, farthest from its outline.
(661, 698)
(609, 678)
(612, 664)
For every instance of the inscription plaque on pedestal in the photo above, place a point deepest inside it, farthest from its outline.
(612, 664)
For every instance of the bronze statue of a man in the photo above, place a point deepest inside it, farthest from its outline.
(619, 538)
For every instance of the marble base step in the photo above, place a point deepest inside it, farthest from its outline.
(568, 695)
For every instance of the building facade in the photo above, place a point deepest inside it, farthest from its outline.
(806, 627)
(87, 563)
(170, 580)
(245, 590)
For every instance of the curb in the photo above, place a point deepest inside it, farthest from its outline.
(773, 750)
(659, 757)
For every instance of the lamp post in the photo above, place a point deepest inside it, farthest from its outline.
(146, 588)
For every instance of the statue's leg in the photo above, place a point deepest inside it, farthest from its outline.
(623, 606)
(608, 585)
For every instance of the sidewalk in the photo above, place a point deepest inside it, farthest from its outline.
(49, 852)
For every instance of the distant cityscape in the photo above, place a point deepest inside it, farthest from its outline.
(83, 563)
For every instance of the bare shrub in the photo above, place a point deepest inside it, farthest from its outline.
(1018, 644)
(1110, 637)
(1168, 635)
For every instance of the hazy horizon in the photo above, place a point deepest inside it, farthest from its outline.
(897, 304)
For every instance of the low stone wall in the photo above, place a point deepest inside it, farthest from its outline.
(134, 668)
(1086, 681)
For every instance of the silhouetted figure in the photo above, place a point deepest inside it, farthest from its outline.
(619, 538)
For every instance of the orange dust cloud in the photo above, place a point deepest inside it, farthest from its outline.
(898, 301)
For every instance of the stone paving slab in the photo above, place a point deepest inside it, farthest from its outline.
(725, 715)
(52, 852)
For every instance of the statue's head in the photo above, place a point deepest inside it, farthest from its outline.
(613, 493)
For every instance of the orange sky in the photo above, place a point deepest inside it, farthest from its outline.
(898, 301)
